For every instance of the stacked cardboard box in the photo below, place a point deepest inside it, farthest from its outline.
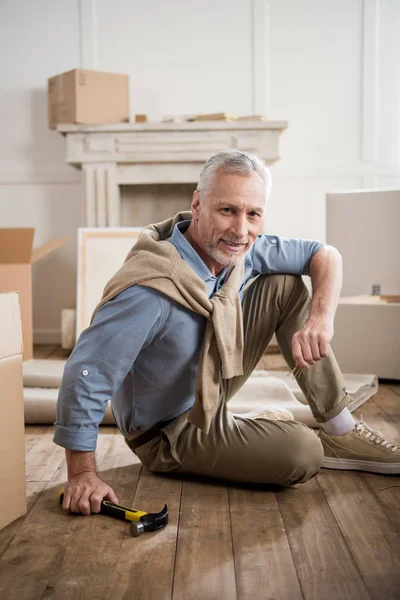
(16, 259)
(12, 442)
(88, 97)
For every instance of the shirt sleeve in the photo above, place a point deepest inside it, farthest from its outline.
(100, 361)
(272, 254)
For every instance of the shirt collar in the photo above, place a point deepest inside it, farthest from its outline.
(189, 254)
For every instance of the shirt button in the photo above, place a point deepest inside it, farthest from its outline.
(273, 241)
(85, 372)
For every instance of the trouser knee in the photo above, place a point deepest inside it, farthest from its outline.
(306, 456)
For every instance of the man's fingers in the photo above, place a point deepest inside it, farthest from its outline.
(111, 496)
(84, 504)
(66, 501)
(324, 348)
(95, 501)
(80, 501)
(315, 349)
(307, 354)
(298, 355)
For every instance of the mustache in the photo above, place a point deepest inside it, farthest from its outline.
(235, 241)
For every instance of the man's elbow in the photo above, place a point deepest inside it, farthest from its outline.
(328, 252)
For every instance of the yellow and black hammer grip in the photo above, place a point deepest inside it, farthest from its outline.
(140, 521)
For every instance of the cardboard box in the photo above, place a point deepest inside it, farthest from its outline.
(16, 259)
(364, 226)
(88, 97)
(12, 437)
(367, 334)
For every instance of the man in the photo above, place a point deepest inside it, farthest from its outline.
(181, 327)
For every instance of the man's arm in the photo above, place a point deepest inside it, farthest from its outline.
(100, 361)
(311, 343)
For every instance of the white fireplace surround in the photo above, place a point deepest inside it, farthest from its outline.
(154, 153)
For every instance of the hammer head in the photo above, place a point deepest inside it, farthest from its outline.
(150, 522)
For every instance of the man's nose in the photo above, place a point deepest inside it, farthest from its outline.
(240, 227)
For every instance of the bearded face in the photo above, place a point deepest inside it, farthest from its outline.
(227, 218)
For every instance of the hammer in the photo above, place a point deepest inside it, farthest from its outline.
(140, 521)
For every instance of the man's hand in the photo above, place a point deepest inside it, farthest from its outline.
(84, 493)
(311, 343)
(85, 489)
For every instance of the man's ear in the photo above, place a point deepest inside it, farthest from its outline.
(196, 204)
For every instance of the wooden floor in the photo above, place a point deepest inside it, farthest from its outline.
(337, 536)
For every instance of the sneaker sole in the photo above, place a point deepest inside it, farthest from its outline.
(347, 464)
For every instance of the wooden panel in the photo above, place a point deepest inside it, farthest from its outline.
(388, 400)
(38, 546)
(145, 567)
(92, 550)
(204, 562)
(43, 350)
(44, 457)
(32, 435)
(33, 555)
(263, 561)
(324, 564)
(383, 413)
(374, 544)
(33, 491)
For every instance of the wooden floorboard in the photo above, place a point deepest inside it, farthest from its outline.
(262, 555)
(145, 567)
(44, 350)
(337, 536)
(324, 564)
(372, 541)
(204, 560)
(92, 549)
(33, 554)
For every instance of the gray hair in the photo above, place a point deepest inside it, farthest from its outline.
(234, 161)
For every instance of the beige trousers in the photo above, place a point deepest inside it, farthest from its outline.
(257, 450)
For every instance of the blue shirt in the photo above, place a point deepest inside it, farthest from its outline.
(142, 348)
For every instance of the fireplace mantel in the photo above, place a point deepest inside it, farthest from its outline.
(155, 153)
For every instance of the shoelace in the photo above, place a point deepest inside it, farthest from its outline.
(373, 435)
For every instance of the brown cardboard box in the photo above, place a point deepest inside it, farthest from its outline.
(367, 335)
(12, 442)
(89, 97)
(16, 259)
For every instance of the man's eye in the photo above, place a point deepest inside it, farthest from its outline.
(254, 215)
(227, 210)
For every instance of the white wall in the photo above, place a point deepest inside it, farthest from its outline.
(330, 67)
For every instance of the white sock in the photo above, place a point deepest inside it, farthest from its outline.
(341, 424)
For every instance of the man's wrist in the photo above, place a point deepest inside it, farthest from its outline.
(93, 471)
(80, 462)
(322, 313)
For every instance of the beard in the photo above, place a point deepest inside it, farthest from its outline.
(226, 257)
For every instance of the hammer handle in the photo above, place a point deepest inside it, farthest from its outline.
(115, 510)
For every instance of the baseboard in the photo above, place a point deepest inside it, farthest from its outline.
(47, 336)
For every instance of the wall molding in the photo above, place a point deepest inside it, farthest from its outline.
(306, 171)
(88, 34)
(370, 82)
(39, 176)
(260, 57)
